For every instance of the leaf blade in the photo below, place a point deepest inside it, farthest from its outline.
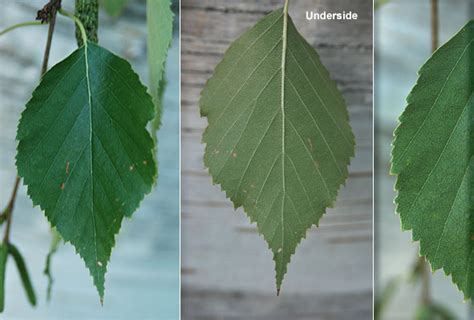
(432, 158)
(23, 271)
(84, 151)
(258, 146)
(160, 34)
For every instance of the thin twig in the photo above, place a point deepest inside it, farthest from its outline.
(9, 211)
(54, 6)
(20, 25)
(52, 23)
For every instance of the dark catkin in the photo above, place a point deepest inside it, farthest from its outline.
(45, 14)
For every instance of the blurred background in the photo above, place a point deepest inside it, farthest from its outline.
(142, 281)
(402, 45)
(227, 269)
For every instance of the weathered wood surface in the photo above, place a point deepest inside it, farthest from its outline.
(143, 278)
(227, 270)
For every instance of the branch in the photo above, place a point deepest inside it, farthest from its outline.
(20, 25)
(9, 211)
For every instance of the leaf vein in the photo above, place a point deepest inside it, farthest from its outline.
(432, 106)
(317, 126)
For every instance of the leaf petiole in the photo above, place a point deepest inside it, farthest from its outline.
(77, 21)
(285, 8)
(20, 25)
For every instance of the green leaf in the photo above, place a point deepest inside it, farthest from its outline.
(113, 7)
(442, 312)
(433, 312)
(23, 271)
(278, 139)
(383, 300)
(160, 33)
(3, 267)
(55, 242)
(432, 156)
(84, 151)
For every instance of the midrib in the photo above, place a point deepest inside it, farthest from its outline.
(89, 96)
(283, 74)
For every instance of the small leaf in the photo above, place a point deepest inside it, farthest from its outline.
(23, 271)
(3, 217)
(113, 7)
(385, 298)
(160, 33)
(434, 311)
(441, 312)
(84, 151)
(3, 267)
(278, 139)
(433, 158)
(55, 242)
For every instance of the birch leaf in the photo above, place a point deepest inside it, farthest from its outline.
(160, 33)
(23, 271)
(84, 151)
(278, 139)
(432, 156)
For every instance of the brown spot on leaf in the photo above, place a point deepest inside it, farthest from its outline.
(310, 144)
(145, 162)
(67, 167)
(316, 164)
(62, 186)
(132, 167)
(234, 154)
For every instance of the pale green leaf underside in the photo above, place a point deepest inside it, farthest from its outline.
(278, 139)
(432, 156)
(84, 151)
(160, 34)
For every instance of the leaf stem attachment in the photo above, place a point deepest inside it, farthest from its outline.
(285, 8)
(77, 21)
